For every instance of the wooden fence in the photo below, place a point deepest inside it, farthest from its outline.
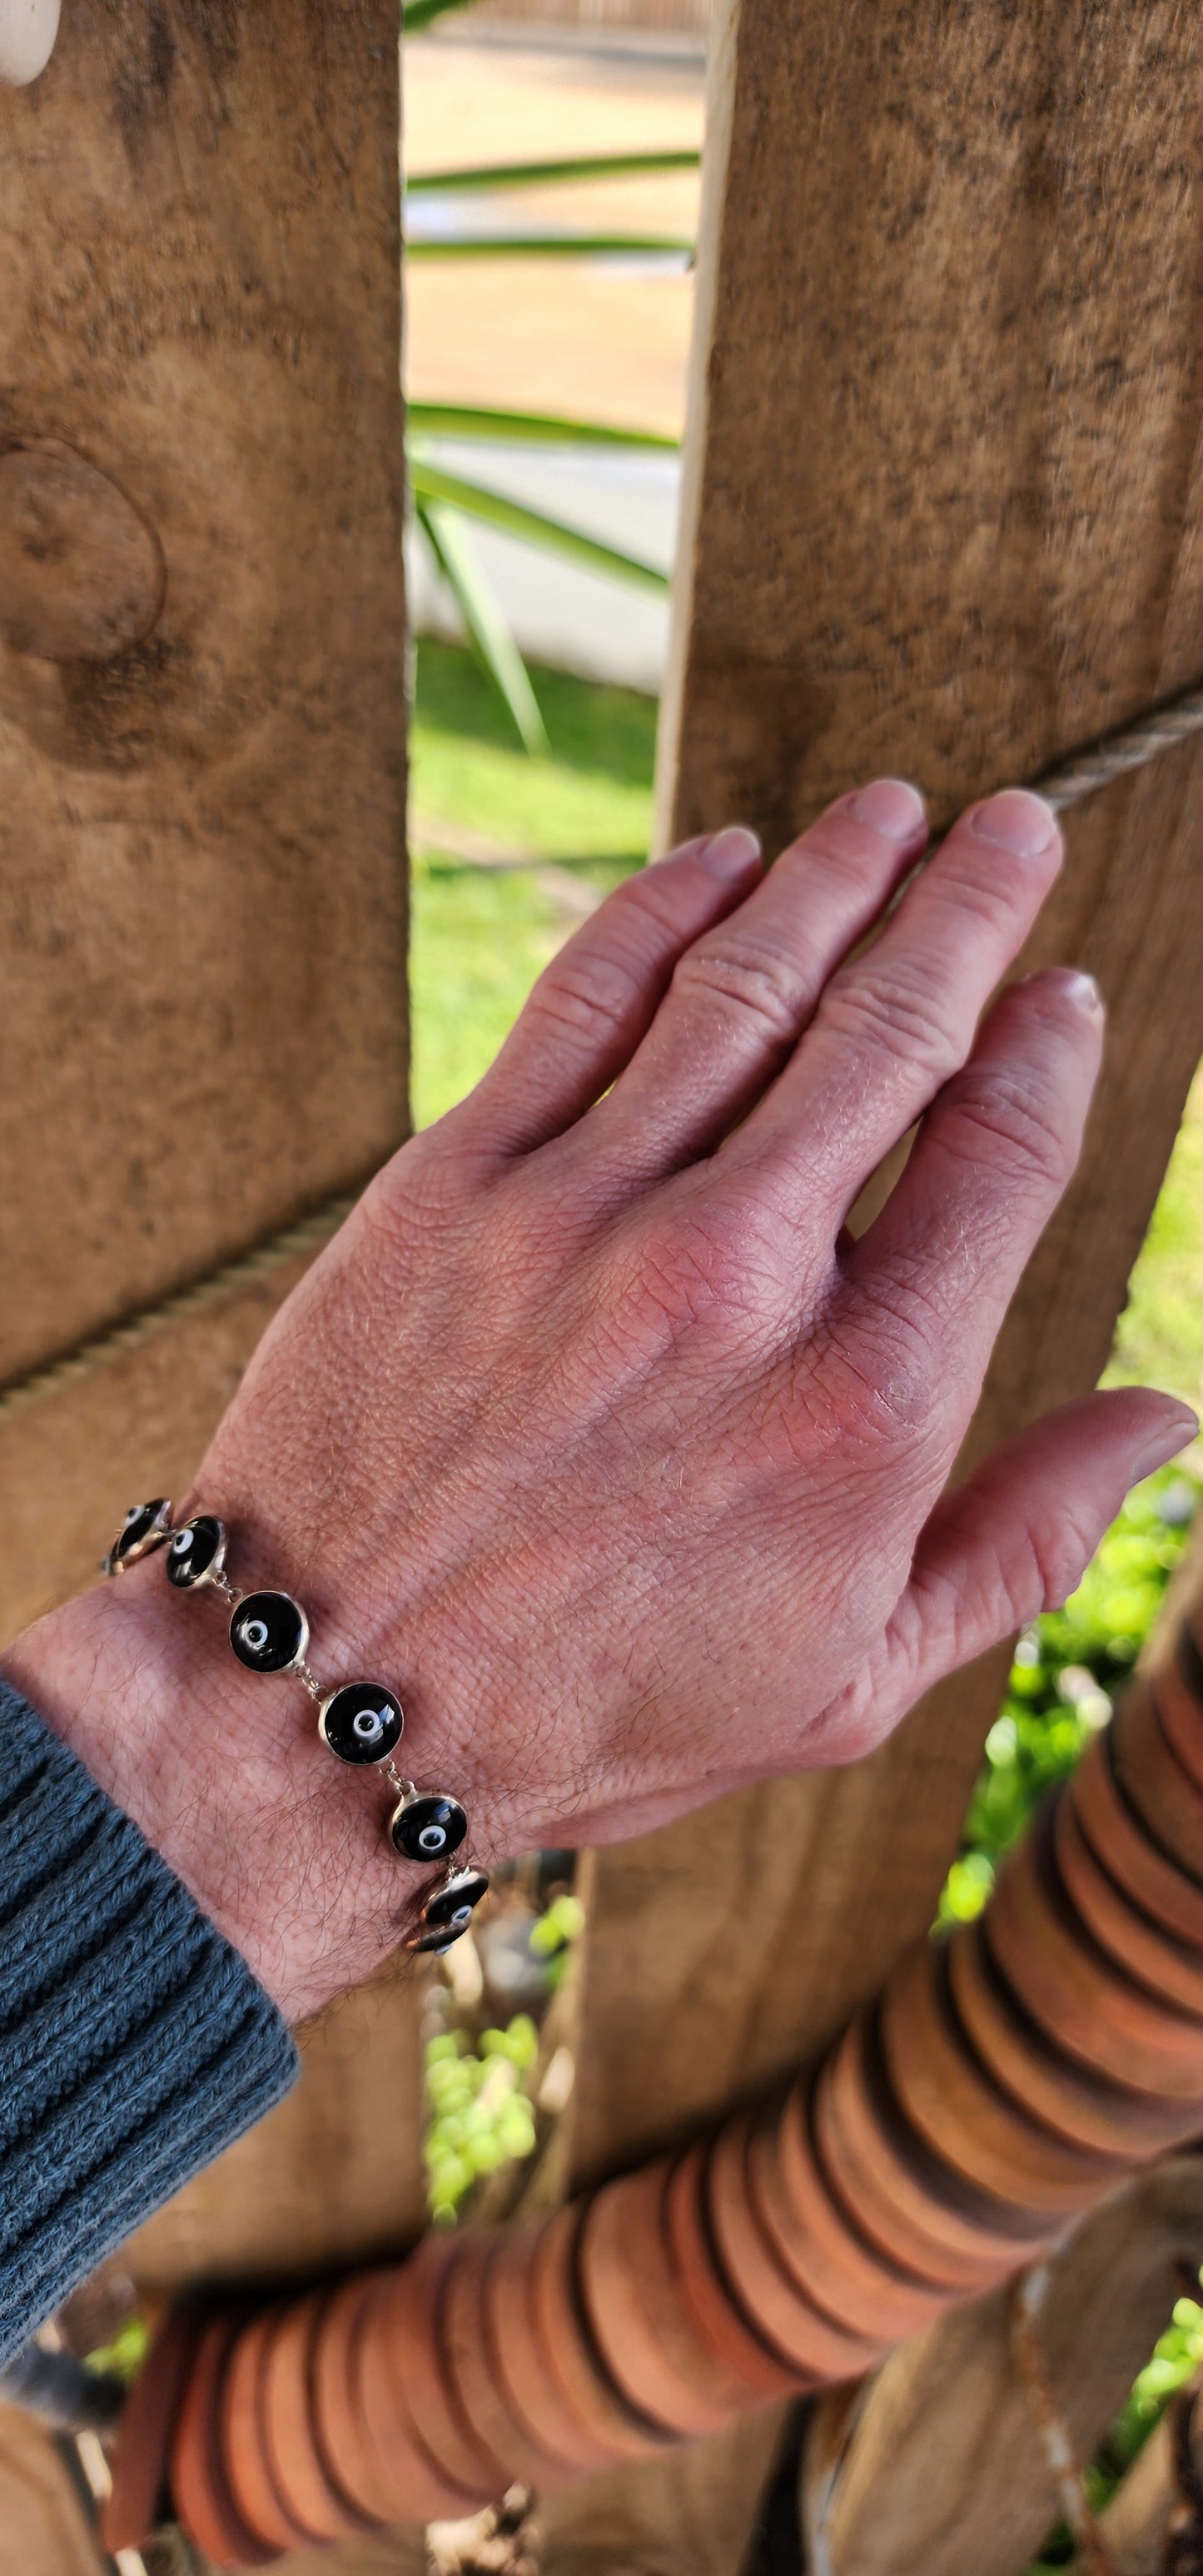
(942, 515)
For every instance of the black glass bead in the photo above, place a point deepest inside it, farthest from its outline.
(452, 1908)
(427, 1827)
(434, 1943)
(362, 1722)
(195, 1552)
(145, 1527)
(269, 1632)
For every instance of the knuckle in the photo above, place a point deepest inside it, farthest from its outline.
(892, 1009)
(712, 1264)
(596, 988)
(1014, 1125)
(1057, 1551)
(750, 982)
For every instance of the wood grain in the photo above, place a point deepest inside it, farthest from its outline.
(946, 514)
(202, 899)
(943, 2467)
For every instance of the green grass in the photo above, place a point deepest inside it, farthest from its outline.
(481, 935)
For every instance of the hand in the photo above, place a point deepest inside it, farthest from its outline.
(595, 1434)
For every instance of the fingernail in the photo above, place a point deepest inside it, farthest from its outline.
(890, 806)
(1016, 821)
(731, 853)
(1165, 1443)
(1075, 986)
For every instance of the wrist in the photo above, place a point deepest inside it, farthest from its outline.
(224, 1774)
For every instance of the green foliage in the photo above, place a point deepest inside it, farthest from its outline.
(488, 422)
(480, 936)
(533, 174)
(1159, 1339)
(430, 482)
(124, 2356)
(480, 2116)
(1066, 1671)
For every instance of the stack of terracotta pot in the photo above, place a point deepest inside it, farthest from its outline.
(1001, 2083)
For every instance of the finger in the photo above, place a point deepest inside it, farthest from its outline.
(896, 1021)
(591, 1006)
(1014, 1540)
(744, 991)
(932, 1278)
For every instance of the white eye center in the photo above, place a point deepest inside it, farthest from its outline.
(254, 1634)
(432, 1838)
(369, 1724)
(462, 1915)
(181, 1542)
(134, 1515)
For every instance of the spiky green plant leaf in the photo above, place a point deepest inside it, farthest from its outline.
(550, 245)
(430, 483)
(450, 543)
(534, 174)
(479, 420)
(417, 14)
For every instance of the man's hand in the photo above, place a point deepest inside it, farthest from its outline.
(595, 1434)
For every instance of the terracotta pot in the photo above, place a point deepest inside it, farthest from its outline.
(948, 2095)
(712, 2308)
(256, 2497)
(402, 2342)
(833, 2264)
(1153, 1780)
(1151, 1955)
(470, 2371)
(633, 2301)
(1174, 1688)
(902, 2197)
(202, 2501)
(569, 2350)
(1111, 2118)
(392, 2373)
(310, 2496)
(772, 2298)
(1120, 1838)
(131, 2512)
(1086, 2004)
(346, 2453)
(529, 2384)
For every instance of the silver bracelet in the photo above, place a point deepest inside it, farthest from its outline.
(359, 1722)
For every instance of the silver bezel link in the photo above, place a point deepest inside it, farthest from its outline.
(417, 1932)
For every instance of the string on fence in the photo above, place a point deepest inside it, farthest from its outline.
(1116, 756)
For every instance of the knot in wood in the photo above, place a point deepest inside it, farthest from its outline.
(82, 576)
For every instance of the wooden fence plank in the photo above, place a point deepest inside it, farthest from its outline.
(944, 2467)
(201, 644)
(942, 429)
(202, 898)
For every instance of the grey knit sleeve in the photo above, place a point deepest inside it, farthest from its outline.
(134, 2042)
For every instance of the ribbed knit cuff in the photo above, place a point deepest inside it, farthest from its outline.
(134, 2042)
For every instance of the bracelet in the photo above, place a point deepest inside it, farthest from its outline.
(359, 1722)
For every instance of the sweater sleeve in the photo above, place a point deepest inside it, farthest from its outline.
(134, 2042)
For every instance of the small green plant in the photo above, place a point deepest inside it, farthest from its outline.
(553, 1935)
(480, 2115)
(124, 2356)
(1066, 1672)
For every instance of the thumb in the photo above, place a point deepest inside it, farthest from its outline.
(1014, 1539)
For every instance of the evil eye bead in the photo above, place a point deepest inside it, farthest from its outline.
(427, 1827)
(145, 1527)
(269, 1632)
(446, 1915)
(362, 1722)
(196, 1552)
